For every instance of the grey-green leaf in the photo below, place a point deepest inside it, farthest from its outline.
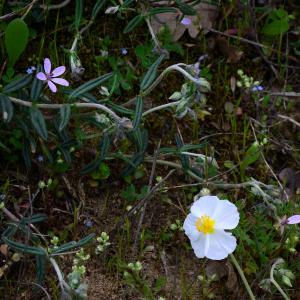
(65, 113)
(133, 23)
(17, 84)
(78, 13)
(36, 87)
(6, 108)
(151, 73)
(38, 122)
(90, 85)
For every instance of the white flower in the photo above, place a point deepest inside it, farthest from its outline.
(205, 226)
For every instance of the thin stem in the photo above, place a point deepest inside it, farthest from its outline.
(62, 283)
(239, 269)
(151, 110)
(58, 106)
(284, 295)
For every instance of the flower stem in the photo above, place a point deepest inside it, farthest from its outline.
(160, 107)
(246, 284)
(284, 295)
(58, 106)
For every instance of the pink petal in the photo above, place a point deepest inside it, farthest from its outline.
(293, 219)
(41, 76)
(47, 65)
(52, 86)
(60, 81)
(58, 71)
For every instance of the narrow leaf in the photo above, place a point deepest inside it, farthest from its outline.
(78, 13)
(97, 7)
(138, 113)
(6, 108)
(65, 113)
(151, 73)
(24, 248)
(17, 84)
(36, 87)
(38, 122)
(133, 23)
(90, 85)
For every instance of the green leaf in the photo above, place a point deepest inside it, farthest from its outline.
(36, 87)
(133, 23)
(251, 156)
(138, 113)
(93, 165)
(78, 13)
(38, 122)
(16, 38)
(151, 73)
(89, 85)
(24, 248)
(65, 113)
(161, 10)
(97, 7)
(276, 23)
(6, 108)
(17, 84)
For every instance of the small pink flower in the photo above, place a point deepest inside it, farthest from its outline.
(51, 77)
(186, 21)
(295, 219)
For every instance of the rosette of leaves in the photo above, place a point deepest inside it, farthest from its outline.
(189, 95)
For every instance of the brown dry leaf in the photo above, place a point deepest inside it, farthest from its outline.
(232, 283)
(216, 268)
(4, 249)
(206, 15)
(232, 53)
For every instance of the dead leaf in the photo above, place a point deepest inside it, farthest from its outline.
(206, 15)
(291, 182)
(232, 53)
(231, 283)
(216, 269)
(4, 249)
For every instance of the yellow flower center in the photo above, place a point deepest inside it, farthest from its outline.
(205, 224)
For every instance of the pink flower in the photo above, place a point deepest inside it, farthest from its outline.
(51, 77)
(186, 21)
(295, 219)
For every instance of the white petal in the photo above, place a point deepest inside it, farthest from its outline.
(199, 245)
(225, 215)
(221, 244)
(189, 227)
(205, 205)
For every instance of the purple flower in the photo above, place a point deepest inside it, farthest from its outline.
(51, 76)
(124, 51)
(40, 158)
(186, 21)
(257, 88)
(30, 70)
(295, 219)
(88, 223)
